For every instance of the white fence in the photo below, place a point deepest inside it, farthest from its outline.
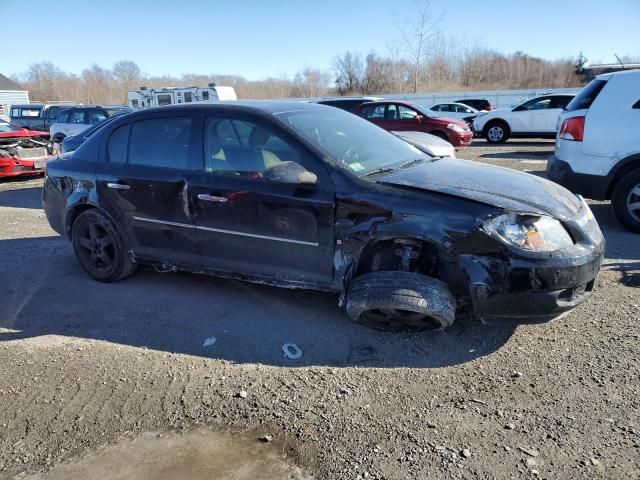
(497, 98)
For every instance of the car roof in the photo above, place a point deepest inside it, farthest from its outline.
(250, 106)
(623, 72)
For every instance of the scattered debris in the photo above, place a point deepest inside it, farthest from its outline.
(510, 426)
(345, 391)
(208, 342)
(516, 374)
(265, 438)
(531, 463)
(466, 453)
(529, 451)
(291, 351)
(476, 400)
(242, 394)
(595, 461)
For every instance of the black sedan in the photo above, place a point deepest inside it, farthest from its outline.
(307, 196)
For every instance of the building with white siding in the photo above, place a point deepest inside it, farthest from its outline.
(10, 93)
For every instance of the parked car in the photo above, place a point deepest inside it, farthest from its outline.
(480, 104)
(535, 118)
(346, 103)
(22, 151)
(36, 116)
(402, 116)
(427, 143)
(598, 148)
(456, 110)
(300, 195)
(73, 121)
(71, 142)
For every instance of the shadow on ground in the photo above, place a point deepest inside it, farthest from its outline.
(22, 198)
(481, 143)
(48, 294)
(521, 155)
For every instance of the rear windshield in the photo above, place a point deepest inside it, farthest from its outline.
(587, 95)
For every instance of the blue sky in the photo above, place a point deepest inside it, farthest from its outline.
(257, 39)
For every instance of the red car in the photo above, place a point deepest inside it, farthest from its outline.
(400, 116)
(22, 151)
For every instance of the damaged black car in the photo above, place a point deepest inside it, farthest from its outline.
(302, 195)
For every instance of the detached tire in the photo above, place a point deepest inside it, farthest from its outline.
(496, 132)
(400, 301)
(625, 201)
(100, 248)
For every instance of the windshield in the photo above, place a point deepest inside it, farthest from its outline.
(351, 141)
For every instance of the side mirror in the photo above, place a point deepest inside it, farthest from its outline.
(290, 172)
(417, 119)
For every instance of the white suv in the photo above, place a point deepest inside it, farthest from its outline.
(534, 118)
(598, 145)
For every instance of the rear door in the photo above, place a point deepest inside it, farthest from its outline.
(250, 222)
(375, 113)
(144, 180)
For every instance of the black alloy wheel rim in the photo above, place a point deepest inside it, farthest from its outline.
(394, 319)
(96, 248)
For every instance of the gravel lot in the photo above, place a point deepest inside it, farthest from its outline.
(87, 365)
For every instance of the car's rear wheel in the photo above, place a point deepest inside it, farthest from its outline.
(99, 247)
(496, 132)
(626, 201)
(400, 301)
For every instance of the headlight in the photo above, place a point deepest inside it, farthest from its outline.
(456, 128)
(529, 232)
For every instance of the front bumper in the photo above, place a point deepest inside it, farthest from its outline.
(460, 139)
(13, 167)
(514, 288)
(590, 186)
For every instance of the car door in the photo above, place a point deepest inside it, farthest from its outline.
(375, 114)
(142, 180)
(248, 221)
(531, 116)
(74, 123)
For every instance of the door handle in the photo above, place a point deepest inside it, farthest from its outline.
(118, 186)
(212, 198)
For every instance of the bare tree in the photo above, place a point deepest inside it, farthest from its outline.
(349, 71)
(127, 76)
(417, 32)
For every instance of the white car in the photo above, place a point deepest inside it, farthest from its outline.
(598, 147)
(456, 110)
(427, 143)
(535, 118)
(74, 120)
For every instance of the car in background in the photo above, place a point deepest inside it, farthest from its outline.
(299, 195)
(23, 151)
(401, 116)
(535, 118)
(36, 116)
(597, 150)
(427, 143)
(346, 103)
(456, 110)
(71, 142)
(72, 121)
(480, 104)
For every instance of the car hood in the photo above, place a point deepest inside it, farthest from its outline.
(23, 133)
(501, 187)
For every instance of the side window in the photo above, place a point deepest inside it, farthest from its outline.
(437, 108)
(392, 112)
(95, 116)
(187, 97)
(160, 142)
(63, 117)
(134, 103)
(15, 113)
(559, 102)
(117, 147)
(538, 104)
(77, 116)
(373, 111)
(246, 149)
(205, 95)
(53, 113)
(406, 113)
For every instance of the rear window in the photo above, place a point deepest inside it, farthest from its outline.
(25, 112)
(587, 95)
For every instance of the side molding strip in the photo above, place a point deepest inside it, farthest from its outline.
(229, 232)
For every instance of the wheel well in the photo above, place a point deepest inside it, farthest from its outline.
(500, 121)
(634, 164)
(58, 137)
(73, 214)
(404, 254)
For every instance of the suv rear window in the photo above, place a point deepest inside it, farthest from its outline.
(586, 96)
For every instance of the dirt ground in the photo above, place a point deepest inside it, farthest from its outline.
(88, 369)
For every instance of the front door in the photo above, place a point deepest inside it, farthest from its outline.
(143, 183)
(249, 220)
(531, 116)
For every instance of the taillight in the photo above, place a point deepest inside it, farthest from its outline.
(572, 129)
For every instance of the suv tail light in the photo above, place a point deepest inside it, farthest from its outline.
(572, 129)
